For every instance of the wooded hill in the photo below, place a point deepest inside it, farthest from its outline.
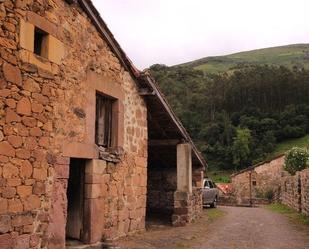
(237, 118)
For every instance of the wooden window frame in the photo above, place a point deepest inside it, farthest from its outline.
(106, 121)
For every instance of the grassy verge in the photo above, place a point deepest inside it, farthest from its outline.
(292, 214)
(213, 214)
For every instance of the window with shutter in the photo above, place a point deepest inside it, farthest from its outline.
(104, 115)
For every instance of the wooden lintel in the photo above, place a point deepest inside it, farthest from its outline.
(164, 142)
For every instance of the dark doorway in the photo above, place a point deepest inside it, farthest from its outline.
(75, 196)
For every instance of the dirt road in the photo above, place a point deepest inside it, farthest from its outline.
(238, 228)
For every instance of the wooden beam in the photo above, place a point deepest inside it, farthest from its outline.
(146, 92)
(164, 142)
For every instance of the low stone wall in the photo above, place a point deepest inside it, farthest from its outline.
(187, 207)
(295, 191)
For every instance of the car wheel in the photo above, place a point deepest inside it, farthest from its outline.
(214, 204)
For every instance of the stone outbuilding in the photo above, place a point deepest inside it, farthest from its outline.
(258, 182)
(89, 147)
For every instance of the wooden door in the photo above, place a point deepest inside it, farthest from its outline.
(75, 196)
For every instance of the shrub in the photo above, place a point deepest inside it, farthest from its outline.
(296, 159)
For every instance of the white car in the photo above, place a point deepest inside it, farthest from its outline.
(210, 193)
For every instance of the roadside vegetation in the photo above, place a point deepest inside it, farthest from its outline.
(292, 214)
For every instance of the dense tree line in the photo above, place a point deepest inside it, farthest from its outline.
(236, 118)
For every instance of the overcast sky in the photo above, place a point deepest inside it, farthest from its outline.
(175, 31)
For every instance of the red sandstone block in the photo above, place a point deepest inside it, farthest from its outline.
(39, 188)
(9, 171)
(22, 242)
(24, 191)
(32, 202)
(62, 160)
(4, 92)
(25, 170)
(12, 74)
(22, 220)
(8, 192)
(15, 141)
(6, 241)
(62, 171)
(36, 132)
(28, 121)
(4, 159)
(11, 103)
(6, 149)
(15, 206)
(44, 142)
(31, 143)
(13, 182)
(21, 130)
(23, 153)
(40, 174)
(3, 206)
(24, 106)
(37, 108)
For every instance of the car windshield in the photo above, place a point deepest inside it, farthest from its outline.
(206, 184)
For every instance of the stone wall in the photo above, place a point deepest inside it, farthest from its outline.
(265, 179)
(47, 117)
(161, 186)
(187, 206)
(295, 191)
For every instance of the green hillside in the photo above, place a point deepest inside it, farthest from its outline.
(288, 56)
(283, 147)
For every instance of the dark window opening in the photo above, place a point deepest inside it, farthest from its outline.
(104, 119)
(40, 42)
(254, 183)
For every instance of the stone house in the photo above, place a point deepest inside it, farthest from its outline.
(259, 181)
(88, 144)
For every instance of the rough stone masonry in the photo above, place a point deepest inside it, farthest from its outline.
(53, 65)
(47, 117)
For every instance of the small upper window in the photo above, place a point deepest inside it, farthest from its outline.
(254, 183)
(40, 42)
(104, 119)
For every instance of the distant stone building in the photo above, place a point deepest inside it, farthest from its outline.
(88, 144)
(259, 181)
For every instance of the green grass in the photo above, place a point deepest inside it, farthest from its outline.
(283, 147)
(213, 214)
(288, 56)
(292, 214)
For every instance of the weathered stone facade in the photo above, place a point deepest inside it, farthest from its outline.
(47, 128)
(47, 117)
(258, 181)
